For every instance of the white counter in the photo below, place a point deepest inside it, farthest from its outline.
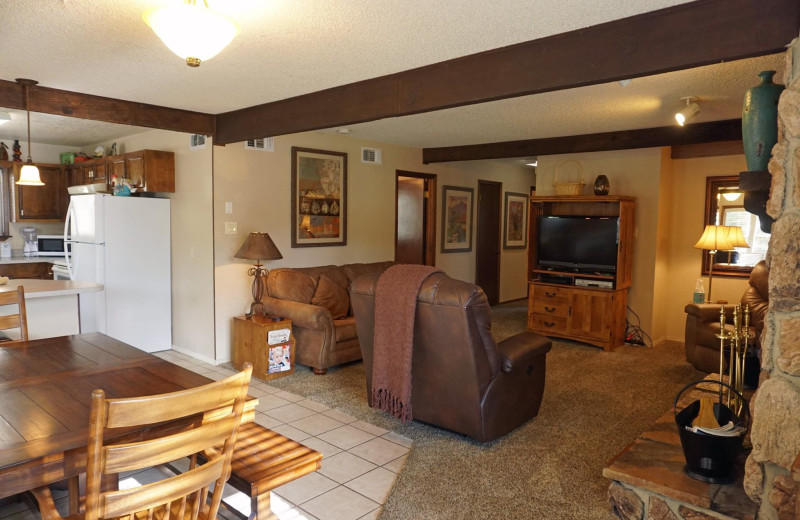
(52, 305)
(30, 260)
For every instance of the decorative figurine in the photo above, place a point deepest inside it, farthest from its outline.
(3, 152)
(601, 185)
(17, 151)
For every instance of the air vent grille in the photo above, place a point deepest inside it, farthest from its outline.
(266, 144)
(197, 142)
(371, 155)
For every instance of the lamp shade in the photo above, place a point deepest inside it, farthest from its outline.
(736, 236)
(194, 32)
(258, 246)
(29, 176)
(715, 238)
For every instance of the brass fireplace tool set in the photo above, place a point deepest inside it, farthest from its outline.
(739, 339)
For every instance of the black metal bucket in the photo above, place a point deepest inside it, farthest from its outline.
(710, 458)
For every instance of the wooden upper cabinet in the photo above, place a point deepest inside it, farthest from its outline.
(95, 171)
(41, 202)
(148, 170)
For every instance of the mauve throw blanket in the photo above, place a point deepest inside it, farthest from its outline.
(395, 307)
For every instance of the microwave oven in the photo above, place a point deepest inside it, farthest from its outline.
(52, 245)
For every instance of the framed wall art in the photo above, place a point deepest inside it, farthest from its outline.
(456, 219)
(319, 198)
(515, 221)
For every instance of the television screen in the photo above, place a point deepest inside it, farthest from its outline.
(578, 243)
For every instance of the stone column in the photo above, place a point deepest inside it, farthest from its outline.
(776, 406)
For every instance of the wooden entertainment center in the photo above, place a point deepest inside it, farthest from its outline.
(556, 305)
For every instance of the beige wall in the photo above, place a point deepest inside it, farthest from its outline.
(633, 173)
(688, 211)
(258, 185)
(192, 250)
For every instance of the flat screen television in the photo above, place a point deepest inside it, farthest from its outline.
(578, 244)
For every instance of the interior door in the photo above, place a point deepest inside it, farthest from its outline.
(415, 234)
(487, 249)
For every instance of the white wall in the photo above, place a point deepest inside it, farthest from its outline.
(258, 184)
(192, 250)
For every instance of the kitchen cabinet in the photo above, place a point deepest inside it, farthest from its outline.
(95, 171)
(37, 270)
(148, 170)
(39, 203)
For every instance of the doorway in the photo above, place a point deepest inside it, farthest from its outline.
(415, 218)
(487, 241)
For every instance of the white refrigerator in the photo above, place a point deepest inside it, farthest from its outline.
(124, 244)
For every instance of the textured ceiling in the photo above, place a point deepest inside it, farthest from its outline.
(292, 47)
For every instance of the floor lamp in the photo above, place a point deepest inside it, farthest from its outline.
(258, 246)
(715, 238)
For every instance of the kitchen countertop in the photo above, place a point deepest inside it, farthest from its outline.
(30, 260)
(45, 288)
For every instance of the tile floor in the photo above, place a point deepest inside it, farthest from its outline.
(359, 467)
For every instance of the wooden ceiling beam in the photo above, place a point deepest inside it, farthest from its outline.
(729, 130)
(86, 106)
(684, 36)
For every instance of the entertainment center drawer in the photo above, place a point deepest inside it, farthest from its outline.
(549, 293)
(549, 323)
(551, 308)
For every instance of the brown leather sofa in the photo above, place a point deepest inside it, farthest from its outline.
(461, 379)
(702, 323)
(317, 301)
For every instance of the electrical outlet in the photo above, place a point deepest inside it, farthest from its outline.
(230, 228)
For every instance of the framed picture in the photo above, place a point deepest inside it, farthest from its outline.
(456, 219)
(515, 221)
(319, 198)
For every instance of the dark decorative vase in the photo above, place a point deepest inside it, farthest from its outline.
(760, 121)
(601, 185)
(17, 151)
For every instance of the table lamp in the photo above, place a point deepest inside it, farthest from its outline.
(258, 246)
(715, 238)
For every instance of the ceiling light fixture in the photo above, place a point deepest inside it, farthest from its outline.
(5, 117)
(195, 33)
(691, 110)
(28, 174)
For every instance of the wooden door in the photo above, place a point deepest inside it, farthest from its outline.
(415, 226)
(589, 313)
(487, 242)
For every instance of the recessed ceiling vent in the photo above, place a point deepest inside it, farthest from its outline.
(266, 144)
(371, 155)
(197, 142)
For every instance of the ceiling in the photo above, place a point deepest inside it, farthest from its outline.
(292, 47)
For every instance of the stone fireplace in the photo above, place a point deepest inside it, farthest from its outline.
(775, 434)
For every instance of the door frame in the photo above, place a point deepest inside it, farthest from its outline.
(498, 234)
(430, 208)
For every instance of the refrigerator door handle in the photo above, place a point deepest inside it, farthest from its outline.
(67, 221)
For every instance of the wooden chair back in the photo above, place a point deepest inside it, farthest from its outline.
(14, 321)
(214, 412)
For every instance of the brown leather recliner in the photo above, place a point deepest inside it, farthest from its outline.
(702, 322)
(461, 379)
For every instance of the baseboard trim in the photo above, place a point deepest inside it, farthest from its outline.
(512, 301)
(195, 355)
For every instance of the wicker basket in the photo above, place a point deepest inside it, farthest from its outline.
(568, 188)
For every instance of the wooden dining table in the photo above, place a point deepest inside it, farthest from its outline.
(45, 393)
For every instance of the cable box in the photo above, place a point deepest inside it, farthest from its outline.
(588, 282)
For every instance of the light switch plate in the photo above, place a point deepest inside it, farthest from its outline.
(230, 228)
(229, 208)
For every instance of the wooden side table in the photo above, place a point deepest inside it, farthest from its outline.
(272, 355)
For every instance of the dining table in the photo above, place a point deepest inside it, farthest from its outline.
(45, 394)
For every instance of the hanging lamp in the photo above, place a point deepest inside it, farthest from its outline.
(193, 32)
(29, 173)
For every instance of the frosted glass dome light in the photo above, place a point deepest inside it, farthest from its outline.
(194, 32)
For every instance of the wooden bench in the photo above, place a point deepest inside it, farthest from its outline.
(264, 460)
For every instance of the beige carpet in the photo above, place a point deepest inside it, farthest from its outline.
(551, 467)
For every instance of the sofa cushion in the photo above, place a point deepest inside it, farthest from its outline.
(334, 272)
(353, 271)
(291, 284)
(331, 296)
(345, 329)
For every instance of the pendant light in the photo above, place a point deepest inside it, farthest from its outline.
(195, 33)
(29, 173)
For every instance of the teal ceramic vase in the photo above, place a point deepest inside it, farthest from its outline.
(760, 121)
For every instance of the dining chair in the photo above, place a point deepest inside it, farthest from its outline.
(14, 321)
(178, 425)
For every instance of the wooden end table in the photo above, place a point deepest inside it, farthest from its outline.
(264, 343)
